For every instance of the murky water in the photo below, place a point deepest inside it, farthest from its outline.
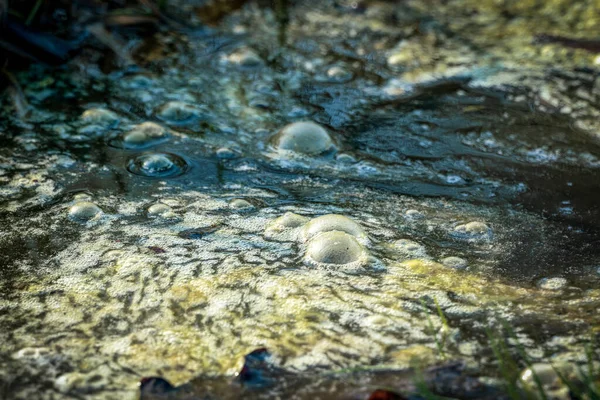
(153, 223)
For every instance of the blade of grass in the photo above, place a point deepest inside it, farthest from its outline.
(525, 357)
(424, 391)
(445, 327)
(433, 332)
(589, 354)
(33, 12)
(506, 364)
(572, 387)
(589, 386)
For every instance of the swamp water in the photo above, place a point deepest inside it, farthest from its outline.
(168, 220)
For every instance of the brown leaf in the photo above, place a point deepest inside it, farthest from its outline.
(381, 394)
(129, 20)
(213, 11)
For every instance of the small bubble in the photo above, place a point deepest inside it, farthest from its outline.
(144, 135)
(157, 165)
(454, 179)
(291, 220)
(333, 222)
(82, 197)
(338, 74)
(225, 153)
(408, 249)
(100, 116)
(473, 230)
(334, 247)
(240, 204)
(345, 158)
(159, 209)
(455, 262)
(179, 113)
(414, 214)
(245, 57)
(287, 221)
(303, 137)
(552, 283)
(84, 211)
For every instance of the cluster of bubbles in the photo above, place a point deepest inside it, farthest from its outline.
(141, 136)
(161, 210)
(337, 242)
(303, 138)
(330, 241)
(473, 231)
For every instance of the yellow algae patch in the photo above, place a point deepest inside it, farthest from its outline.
(414, 356)
(418, 276)
(432, 275)
(507, 28)
(157, 321)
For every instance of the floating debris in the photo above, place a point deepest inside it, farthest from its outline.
(261, 378)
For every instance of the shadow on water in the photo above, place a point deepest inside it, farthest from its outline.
(500, 154)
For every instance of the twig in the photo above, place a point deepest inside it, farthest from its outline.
(110, 41)
(16, 94)
(33, 12)
(156, 11)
